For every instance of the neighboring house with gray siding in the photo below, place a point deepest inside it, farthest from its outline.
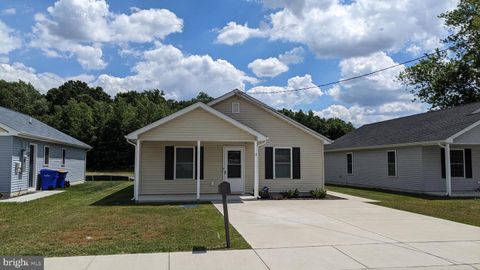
(27, 146)
(234, 138)
(434, 153)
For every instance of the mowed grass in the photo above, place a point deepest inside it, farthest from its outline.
(99, 218)
(460, 210)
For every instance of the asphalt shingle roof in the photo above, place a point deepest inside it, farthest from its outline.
(21, 123)
(425, 127)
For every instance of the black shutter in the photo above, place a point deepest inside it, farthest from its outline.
(468, 163)
(444, 172)
(268, 163)
(169, 156)
(296, 162)
(201, 161)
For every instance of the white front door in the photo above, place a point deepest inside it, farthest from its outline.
(233, 168)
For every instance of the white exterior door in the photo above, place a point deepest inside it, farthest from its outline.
(233, 168)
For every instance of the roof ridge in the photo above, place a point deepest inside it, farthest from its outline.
(424, 113)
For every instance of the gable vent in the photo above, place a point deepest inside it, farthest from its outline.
(235, 107)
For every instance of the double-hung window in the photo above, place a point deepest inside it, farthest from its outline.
(184, 162)
(283, 163)
(64, 156)
(46, 156)
(349, 163)
(457, 161)
(392, 163)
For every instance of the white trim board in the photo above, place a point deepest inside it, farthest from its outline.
(134, 135)
(463, 131)
(272, 111)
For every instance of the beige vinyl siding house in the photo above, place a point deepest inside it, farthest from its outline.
(234, 138)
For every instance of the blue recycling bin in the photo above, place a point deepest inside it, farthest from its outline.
(49, 179)
(62, 175)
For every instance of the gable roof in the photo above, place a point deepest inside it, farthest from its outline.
(429, 127)
(22, 125)
(134, 135)
(270, 110)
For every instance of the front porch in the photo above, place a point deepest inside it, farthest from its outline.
(177, 170)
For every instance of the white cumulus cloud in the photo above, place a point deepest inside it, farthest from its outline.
(333, 28)
(234, 33)
(79, 28)
(372, 98)
(9, 41)
(273, 95)
(182, 76)
(274, 66)
(269, 67)
(43, 81)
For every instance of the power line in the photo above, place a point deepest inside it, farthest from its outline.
(348, 79)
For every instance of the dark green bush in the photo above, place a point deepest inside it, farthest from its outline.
(292, 193)
(318, 193)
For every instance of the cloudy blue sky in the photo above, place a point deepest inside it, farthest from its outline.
(184, 47)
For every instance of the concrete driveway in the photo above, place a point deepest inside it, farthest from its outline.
(352, 234)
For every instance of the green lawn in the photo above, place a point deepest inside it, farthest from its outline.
(99, 218)
(460, 210)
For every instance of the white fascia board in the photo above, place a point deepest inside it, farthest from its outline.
(463, 131)
(9, 130)
(134, 135)
(50, 140)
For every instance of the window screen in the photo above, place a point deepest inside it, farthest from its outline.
(349, 163)
(283, 163)
(392, 163)
(184, 163)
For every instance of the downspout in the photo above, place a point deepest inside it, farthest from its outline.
(448, 173)
(257, 167)
(135, 145)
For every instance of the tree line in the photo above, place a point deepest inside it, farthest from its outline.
(92, 116)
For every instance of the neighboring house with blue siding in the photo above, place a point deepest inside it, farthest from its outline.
(434, 153)
(27, 146)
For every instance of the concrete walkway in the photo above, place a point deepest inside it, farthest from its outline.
(32, 196)
(311, 234)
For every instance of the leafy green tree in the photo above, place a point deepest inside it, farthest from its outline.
(77, 90)
(451, 77)
(23, 97)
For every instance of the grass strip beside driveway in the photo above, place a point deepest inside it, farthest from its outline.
(460, 210)
(99, 218)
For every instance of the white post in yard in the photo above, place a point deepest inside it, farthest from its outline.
(255, 170)
(448, 171)
(137, 170)
(198, 170)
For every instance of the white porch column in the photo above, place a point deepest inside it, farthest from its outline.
(198, 170)
(255, 170)
(137, 170)
(448, 171)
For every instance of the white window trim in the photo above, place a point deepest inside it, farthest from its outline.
(353, 162)
(49, 155)
(175, 163)
(233, 106)
(291, 163)
(64, 158)
(464, 165)
(396, 163)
